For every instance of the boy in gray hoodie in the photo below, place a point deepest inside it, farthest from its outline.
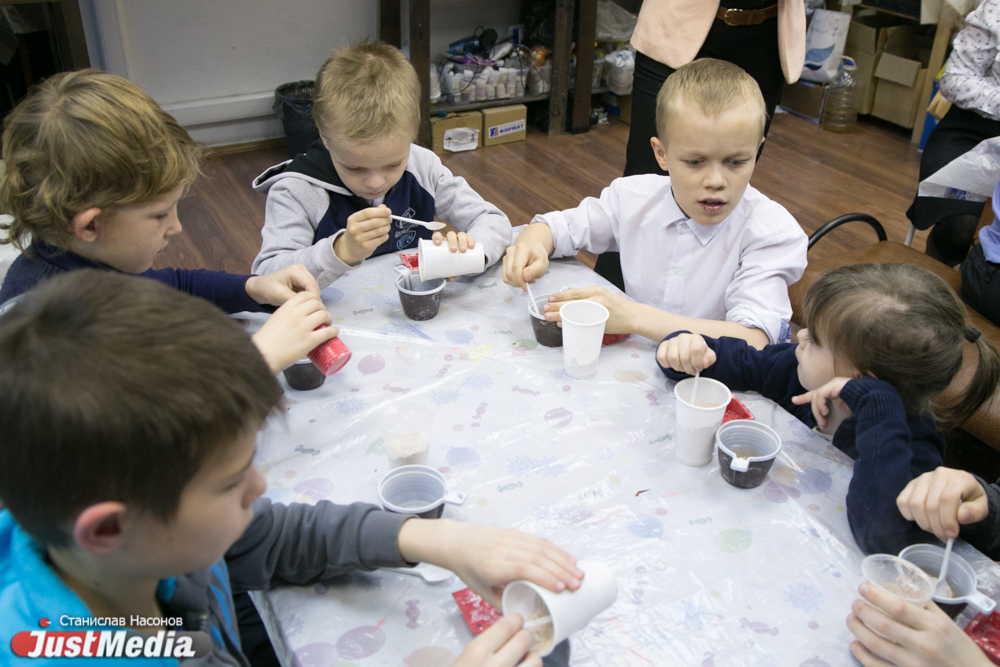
(329, 208)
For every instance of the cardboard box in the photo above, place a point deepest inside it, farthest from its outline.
(468, 119)
(866, 40)
(804, 99)
(619, 106)
(502, 125)
(901, 73)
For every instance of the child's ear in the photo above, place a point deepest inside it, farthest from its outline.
(660, 152)
(98, 529)
(85, 225)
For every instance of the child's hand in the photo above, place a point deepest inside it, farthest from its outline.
(620, 310)
(278, 287)
(488, 558)
(504, 644)
(290, 333)
(524, 263)
(685, 353)
(941, 500)
(914, 637)
(459, 242)
(366, 231)
(821, 399)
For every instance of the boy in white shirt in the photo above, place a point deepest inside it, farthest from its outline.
(701, 250)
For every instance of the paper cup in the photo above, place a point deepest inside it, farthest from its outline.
(331, 356)
(898, 577)
(422, 300)
(303, 375)
(694, 438)
(961, 579)
(746, 452)
(583, 329)
(438, 261)
(546, 333)
(406, 432)
(416, 490)
(570, 611)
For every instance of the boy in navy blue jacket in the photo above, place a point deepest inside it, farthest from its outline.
(94, 171)
(329, 208)
(883, 341)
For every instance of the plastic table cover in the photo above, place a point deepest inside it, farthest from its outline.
(708, 574)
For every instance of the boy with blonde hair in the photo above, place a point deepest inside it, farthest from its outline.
(130, 415)
(701, 249)
(329, 208)
(94, 171)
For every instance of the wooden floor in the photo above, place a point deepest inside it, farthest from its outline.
(816, 175)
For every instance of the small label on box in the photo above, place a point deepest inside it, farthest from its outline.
(506, 128)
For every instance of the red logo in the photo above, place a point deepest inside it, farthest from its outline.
(45, 622)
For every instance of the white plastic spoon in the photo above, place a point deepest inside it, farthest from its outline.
(433, 226)
(534, 306)
(942, 581)
(694, 389)
(534, 623)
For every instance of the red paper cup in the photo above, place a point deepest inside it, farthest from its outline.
(331, 356)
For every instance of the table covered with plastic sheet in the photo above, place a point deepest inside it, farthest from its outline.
(708, 574)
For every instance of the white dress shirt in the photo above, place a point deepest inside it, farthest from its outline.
(971, 77)
(737, 271)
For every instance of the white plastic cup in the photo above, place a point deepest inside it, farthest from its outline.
(694, 439)
(419, 490)
(961, 579)
(583, 332)
(406, 433)
(900, 578)
(438, 261)
(570, 611)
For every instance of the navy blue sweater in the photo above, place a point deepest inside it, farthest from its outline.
(889, 446)
(42, 261)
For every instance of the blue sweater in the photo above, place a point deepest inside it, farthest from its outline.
(889, 446)
(42, 261)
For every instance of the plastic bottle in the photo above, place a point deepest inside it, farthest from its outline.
(840, 111)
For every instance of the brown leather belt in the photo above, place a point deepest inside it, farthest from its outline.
(736, 17)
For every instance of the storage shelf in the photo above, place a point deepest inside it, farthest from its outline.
(486, 104)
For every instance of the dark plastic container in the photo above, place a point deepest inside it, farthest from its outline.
(750, 441)
(422, 300)
(303, 375)
(547, 333)
(293, 105)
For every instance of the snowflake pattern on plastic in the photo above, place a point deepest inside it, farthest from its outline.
(380, 299)
(690, 616)
(527, 466)
(803, 597)
(350, 405)
(478, 382)
(443, 396)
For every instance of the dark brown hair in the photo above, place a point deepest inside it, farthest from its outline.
(82, 140)
(902, 324)
(115, 387)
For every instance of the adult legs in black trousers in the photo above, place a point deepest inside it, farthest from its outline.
(754, 48)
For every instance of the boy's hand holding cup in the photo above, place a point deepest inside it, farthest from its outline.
(462, 257)
(524, 263)
(366, 231)
(621, 312)
(685, 353)
(291, 332)
(276, 288)
(504, 644)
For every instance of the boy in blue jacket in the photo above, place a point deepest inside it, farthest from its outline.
(130, 412)
(884, 340)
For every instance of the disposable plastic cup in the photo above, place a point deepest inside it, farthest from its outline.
(961, 579)
(546, 333)
(419, 490)
(898, 577)
(438, 261)
(697, 423)
(569, 611)
(303, 375)
(582, 334)
(330, 356)
(406, 432)
(746, 451)
(422, 300)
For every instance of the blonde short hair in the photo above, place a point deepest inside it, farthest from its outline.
(712, 87)
(82, 140)
(366, 92)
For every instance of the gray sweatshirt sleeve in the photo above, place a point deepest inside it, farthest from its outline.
(293, 212)
(985, 535)
(456, 202)
(299, 544)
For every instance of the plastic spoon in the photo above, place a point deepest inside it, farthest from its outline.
(942, 581)
(433, 226)
(534, 306)
(534, 623)
(694, 389)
